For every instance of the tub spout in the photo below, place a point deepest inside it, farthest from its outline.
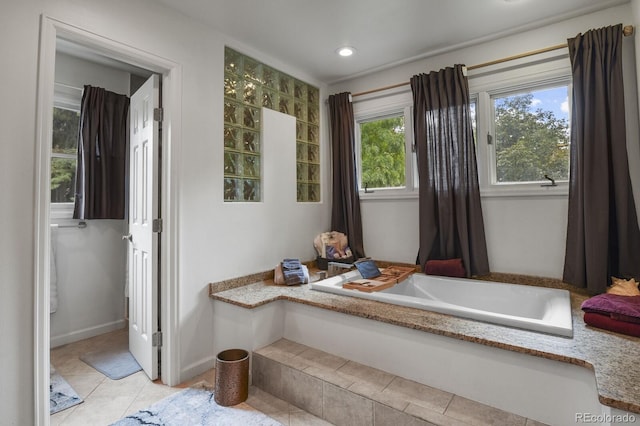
(337, 268)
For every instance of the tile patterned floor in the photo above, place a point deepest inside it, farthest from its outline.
(106, 400)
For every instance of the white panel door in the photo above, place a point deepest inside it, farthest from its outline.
(143, 242)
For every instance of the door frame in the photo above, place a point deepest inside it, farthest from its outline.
(171, 72)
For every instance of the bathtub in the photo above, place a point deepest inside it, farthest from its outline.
(541, 309)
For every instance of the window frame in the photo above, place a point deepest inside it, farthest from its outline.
(410, 190)
(529, 75)
(69, 98)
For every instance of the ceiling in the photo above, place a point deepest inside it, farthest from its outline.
(307, 33)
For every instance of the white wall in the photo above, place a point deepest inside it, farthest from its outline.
(524, 235)
(90, 266)
(90, 262)
(216, 240)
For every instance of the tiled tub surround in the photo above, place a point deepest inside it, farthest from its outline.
(453, 354)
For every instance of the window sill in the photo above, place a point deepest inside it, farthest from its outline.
(528, 190)
(562, 190)
(61, 211)
(381, 195)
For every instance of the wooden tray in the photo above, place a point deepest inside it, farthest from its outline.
(369, 286)
(389, 277)
(399, 273)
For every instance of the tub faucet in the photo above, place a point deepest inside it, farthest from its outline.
(337, 268)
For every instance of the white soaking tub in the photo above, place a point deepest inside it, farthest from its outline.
(542, 309)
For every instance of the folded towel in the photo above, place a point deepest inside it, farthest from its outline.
(291, 264)
(615, 306)
(447, 268)
(607, 323)
(294, 272)
(367, 268)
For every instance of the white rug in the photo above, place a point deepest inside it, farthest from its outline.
(61, 394)
(196, 407)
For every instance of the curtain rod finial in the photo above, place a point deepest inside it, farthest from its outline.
(627, 30)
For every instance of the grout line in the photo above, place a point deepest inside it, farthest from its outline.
(135, 398)
(324, 383)
(453, 395)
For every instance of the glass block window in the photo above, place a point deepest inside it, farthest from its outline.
(248, 86)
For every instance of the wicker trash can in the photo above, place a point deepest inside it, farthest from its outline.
(232, 377)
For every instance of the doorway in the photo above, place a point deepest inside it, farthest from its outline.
(89, 258)
(52, 31)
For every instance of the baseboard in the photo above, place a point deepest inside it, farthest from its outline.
(77, 335)
(196, 368)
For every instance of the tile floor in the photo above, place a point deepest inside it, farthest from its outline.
(106, 400)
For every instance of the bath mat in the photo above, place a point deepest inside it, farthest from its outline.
(61, 394)
(196, 407)
(115, 363)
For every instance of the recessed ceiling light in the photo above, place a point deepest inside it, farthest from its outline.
(346, 51)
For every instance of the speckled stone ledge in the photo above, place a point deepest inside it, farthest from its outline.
(251, 279)
(267, 276)
(609, 355)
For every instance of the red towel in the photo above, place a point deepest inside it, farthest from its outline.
(607, 323)
(447, 268)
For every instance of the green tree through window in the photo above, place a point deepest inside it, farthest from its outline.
(530, 142)
(383, 153)
(63, 154)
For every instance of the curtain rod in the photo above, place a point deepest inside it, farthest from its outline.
(626, 31)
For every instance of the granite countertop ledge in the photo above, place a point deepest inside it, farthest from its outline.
(608, 354)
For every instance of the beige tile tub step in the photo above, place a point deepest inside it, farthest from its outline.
(344, 392)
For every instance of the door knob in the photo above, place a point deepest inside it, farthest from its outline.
(128, 237)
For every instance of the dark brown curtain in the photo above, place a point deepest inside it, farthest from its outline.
(603, 239)
(345, 207)
(102, 152)
(451, 223)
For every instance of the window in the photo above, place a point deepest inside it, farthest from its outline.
(64, 148)
(248, 86)
(384, 149)
(531, 135)
(63, 154)
(522, 128)
(383, 152)
(473, 106)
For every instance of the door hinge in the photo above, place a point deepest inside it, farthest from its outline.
(156, 339)
(158, 114)
(157, 225)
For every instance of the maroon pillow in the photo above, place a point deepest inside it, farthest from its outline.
(447, 268)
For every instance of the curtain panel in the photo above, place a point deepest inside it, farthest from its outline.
(102, 155)
(451, 222)
(345, 206)
(603, 238)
